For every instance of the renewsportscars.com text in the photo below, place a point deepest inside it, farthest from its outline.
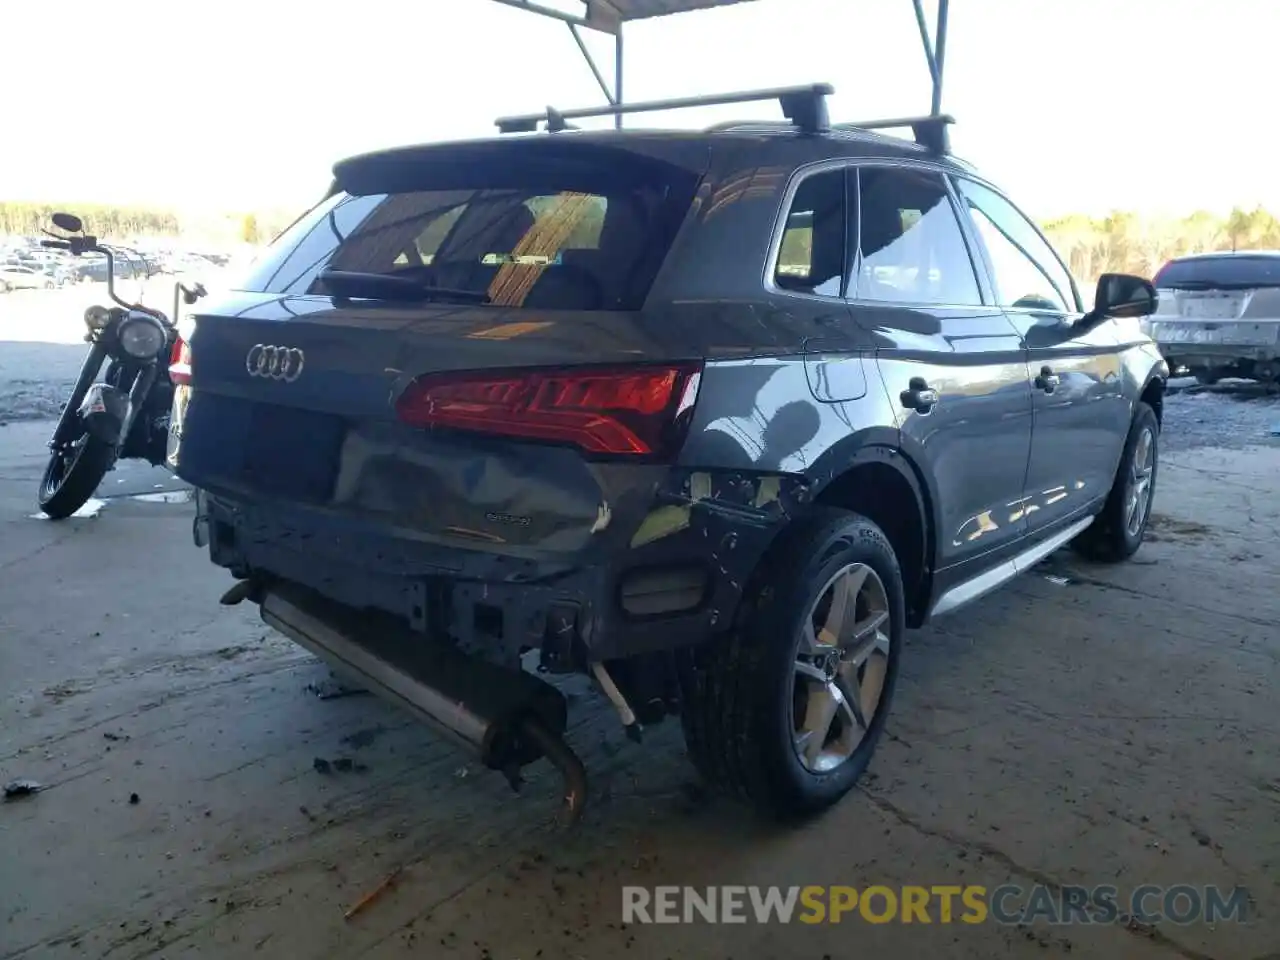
(939, 903)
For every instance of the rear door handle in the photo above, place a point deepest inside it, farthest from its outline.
(919, 396)
(1048, 380)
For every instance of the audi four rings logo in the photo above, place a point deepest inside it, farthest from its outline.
(274, 363)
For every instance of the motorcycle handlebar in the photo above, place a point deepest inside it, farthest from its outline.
(56, 244)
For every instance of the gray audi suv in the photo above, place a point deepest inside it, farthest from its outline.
(709, 417)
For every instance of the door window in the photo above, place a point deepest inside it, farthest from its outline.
(811, 256)
(910, 246)
(1026, 272)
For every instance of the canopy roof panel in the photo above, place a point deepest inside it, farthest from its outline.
(644, 9)
(608, 16)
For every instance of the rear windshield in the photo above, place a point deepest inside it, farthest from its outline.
(541, 235)
(1226, 272)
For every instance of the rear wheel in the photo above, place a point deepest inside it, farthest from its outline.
(1117, 532)
(72, 475)
(786, 710)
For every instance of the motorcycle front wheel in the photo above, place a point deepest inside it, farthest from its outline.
(73, 474)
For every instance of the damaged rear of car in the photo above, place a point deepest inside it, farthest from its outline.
(1218, 315)
(436, 429)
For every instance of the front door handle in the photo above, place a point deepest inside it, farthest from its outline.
(1048, 380)
(919, 396)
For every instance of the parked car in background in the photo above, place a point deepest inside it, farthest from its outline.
(23, 277)
(1218, 315)
(127, 267)
(714, 438)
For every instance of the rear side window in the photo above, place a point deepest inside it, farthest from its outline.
(526, 235)
(1238, 271)
(811, 256)
(910, 247)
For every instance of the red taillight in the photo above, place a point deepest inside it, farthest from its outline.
(180, 363)
(629, 411)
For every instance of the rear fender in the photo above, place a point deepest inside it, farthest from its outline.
(103, 412)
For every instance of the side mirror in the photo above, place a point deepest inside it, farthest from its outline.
(1124, 295)
(67, 222)
(1120, 295)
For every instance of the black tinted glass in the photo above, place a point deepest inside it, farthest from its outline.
(1234, 270)
(553, 242)
(811, 256)
(910, 246)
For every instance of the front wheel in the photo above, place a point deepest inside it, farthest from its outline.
(73, 474)
(1117, 532)
(787, 708)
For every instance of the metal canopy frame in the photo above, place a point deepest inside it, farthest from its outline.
(609, 16)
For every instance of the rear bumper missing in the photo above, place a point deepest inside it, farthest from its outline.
(1200, 342)
(681, 580)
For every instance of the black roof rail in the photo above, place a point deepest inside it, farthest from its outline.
(804, 106)
(929, 131)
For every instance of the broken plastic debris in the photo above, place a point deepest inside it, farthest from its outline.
(167, 496)
(89, 510)
(332, 689)
(17, 789)
(375, 893)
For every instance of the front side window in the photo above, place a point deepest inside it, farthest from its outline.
(1026, 272)
(910, 246)
(811, 255)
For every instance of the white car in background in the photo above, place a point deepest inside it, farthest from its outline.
(1218, 315)
(20, 277)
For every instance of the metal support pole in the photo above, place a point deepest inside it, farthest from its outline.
(935, 49)
(591, 62)
(617, 75)
(939, 54)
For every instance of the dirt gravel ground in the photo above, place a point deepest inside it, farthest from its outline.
(1086, 725)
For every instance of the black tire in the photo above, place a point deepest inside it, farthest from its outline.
(1110, 538)
(1207, 378)
(67, 486)
(738, 690)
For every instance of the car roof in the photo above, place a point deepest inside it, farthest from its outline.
(836, 143)
(1227, 254)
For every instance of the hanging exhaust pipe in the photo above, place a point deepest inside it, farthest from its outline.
(506, 717)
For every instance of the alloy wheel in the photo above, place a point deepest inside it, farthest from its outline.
(1138, 491)
(841, 664)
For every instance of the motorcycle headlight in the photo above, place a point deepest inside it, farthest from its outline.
(141, 337)
(96, 317)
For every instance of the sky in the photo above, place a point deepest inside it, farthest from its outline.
(1070, 105)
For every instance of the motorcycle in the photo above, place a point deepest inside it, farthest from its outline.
(125, 414)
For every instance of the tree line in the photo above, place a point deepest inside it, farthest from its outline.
(1123, 241)
(18, 218)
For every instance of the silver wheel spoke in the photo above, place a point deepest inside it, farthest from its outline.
(852, 708)
(823, 704)
(844, 596)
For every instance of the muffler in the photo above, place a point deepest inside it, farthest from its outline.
(507, 717)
